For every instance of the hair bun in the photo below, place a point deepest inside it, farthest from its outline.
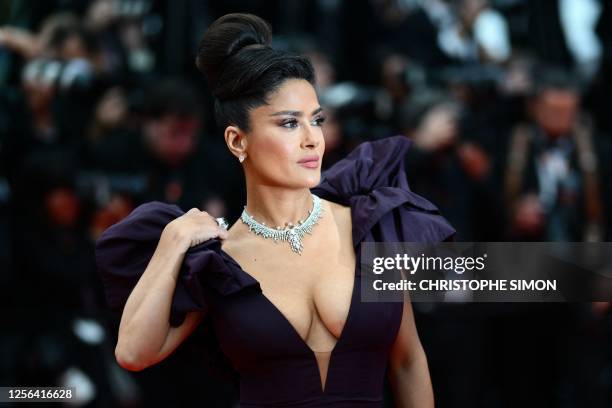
(227, 36)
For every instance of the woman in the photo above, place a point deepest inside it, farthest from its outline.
(283, 301)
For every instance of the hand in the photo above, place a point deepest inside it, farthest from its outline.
(438, 128)
(193, 228)
(474, 160)
(21, 41)
(112, 108)
(101, 14)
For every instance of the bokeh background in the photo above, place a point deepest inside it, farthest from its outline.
(102, 109)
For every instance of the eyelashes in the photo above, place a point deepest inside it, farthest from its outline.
(320, 121)
(289, 124)
(292, 123)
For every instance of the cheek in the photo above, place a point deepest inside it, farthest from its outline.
(323, 142)
(274, 151)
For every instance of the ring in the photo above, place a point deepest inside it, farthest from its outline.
(222, 223)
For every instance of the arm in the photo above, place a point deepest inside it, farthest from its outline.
(145, 335)
(408, 370)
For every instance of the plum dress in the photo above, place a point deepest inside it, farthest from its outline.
(273, 364)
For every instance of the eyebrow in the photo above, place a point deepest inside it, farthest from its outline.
(295, 113)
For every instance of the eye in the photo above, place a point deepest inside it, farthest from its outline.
(319, 121)
(289, 124)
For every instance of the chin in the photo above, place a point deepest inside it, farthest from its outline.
(314, 181)
(313, 185)
(309, 182)
(299, 180)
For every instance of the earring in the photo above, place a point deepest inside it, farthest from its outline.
(241, 158)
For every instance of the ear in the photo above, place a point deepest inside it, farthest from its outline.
(236, 140)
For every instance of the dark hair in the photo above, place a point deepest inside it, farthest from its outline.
(241, 67)
(171, 97)
(547, 77)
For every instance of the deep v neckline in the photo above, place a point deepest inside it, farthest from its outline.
(323, 387)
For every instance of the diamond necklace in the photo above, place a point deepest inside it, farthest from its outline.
(291, 233)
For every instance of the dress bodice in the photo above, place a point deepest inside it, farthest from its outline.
(274, 364)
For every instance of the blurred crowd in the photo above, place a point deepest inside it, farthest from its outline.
(102, 109)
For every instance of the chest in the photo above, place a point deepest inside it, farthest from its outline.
(312, 291)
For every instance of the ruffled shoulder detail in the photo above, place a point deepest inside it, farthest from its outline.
(124, 250)
(372, 181)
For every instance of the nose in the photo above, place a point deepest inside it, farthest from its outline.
(311, 137)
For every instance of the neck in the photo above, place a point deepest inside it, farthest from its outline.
(276, 206)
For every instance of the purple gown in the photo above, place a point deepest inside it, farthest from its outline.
(275, 367)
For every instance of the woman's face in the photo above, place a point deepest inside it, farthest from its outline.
(285, 145)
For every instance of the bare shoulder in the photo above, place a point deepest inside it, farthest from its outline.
(338, 209)
(235, 238)
(239, 240)
(340, 213)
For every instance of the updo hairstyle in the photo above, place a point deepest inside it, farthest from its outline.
(242, 69)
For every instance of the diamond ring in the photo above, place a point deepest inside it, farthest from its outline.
(222, 223)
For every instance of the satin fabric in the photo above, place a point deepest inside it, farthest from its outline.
(274, 366)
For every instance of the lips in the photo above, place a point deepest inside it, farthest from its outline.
(310, 162)
(309, 159)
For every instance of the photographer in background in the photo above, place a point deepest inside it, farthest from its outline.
(555, 168)
(443, 164)
(182, 164)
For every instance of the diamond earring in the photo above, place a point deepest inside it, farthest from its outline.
(241, 158)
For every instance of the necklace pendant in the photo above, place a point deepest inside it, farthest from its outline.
(292, 233)
(295, 242)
